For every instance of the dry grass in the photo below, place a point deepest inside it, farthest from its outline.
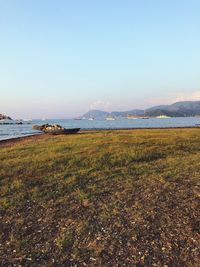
(121, 198)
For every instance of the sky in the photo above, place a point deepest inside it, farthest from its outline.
(60, 58)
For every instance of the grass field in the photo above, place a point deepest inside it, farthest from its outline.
(109, 198)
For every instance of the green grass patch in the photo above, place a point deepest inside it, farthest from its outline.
(110, 198)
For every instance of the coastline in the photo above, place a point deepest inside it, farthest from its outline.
(41, 136)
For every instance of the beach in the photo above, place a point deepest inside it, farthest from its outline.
(32, 137)
(25, 129)
(101, 198)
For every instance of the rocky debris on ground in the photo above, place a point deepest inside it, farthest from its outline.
(48, 127)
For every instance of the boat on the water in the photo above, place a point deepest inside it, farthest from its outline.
(130, 117)
(10, 122)
(144, 117)
(162, 117)
(27, 120)
(55, 129)
(110, 118)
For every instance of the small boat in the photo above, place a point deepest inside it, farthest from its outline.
(144, 118)
(19, 122)
(91, 119)
(27, 120)
(110, 119)
(162, 117)
(129, 117)
(10, 122)
(55, 129)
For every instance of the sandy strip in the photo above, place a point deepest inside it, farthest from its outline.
(13, 141)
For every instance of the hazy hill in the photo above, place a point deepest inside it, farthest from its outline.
(178, 109)
(134, 112)
(97, 114)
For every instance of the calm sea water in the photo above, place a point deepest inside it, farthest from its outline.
(11, 131)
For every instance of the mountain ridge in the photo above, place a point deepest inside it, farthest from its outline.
(177, 109)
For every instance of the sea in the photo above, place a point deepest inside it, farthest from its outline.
(25, 129)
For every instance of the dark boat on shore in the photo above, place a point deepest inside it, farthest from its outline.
(55, 129)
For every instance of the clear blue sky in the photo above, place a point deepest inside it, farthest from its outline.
(59, 58)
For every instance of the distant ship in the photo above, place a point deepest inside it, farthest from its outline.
(91, 119)
(163, 117)
(27, 120)
(110, 118)
(131, 117)
(144, 118)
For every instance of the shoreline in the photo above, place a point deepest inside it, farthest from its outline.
(13, 140)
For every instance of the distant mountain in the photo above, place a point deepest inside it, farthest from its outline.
(96, 114)
(178, 109)
(133, 112)
(99, 114)
(4, 117)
